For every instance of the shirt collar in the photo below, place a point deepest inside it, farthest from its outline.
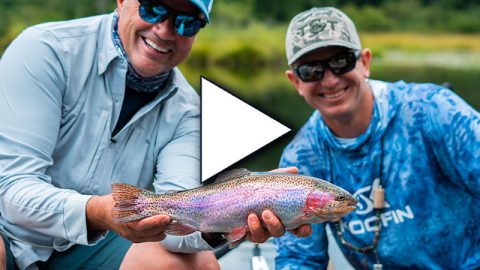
(106, 48)
(382, 115)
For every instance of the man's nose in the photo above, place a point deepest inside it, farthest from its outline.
(329, 79)
(166, 29)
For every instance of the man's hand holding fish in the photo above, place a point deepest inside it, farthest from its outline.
(149, 229)
(273, 226)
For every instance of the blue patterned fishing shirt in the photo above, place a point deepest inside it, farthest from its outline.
(430, 172)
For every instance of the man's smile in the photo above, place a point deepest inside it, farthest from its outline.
(155, 46)
(333, 95)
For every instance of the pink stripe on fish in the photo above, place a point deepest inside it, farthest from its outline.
(317, 199)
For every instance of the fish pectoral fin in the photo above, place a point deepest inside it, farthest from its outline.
(177, 228)
(236, 236)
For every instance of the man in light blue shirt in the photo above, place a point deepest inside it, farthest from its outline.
(87, 103)
(91, 102)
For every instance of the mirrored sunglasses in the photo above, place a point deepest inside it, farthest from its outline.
(152, 11)
(337, 64)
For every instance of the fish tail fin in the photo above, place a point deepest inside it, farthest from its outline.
(127, 202)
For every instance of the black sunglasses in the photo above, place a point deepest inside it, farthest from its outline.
(338, 64)
(152, 11)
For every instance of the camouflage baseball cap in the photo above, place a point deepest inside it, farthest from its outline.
(317, 28)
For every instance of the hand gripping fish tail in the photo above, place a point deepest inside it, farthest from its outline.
(128, 202)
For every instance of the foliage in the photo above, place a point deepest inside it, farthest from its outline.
(250, 33)
(18, 15)
(245, 48)
(248, 50)
(369, 18)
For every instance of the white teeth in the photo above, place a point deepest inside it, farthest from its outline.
(155, 46)
(333, 95)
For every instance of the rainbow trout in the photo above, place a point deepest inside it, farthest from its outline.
(223, 207)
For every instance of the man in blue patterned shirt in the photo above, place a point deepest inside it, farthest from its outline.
(410, 154)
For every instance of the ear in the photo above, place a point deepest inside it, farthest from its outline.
(120, 4)
(366, 59)
(294, 80)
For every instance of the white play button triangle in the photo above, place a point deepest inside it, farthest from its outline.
(231, 129)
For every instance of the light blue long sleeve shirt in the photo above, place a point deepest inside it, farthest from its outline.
(430, 170)
(61, 91)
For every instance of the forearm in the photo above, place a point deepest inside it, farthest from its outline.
(183, 149)
(42, 212)
(98, 213)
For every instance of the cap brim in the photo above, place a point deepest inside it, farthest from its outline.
(319, 45)
(201, 5)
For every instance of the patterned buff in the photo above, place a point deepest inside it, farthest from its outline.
(134, 80)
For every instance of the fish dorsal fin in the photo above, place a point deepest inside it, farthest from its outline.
(232, 174)
(171, 191)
